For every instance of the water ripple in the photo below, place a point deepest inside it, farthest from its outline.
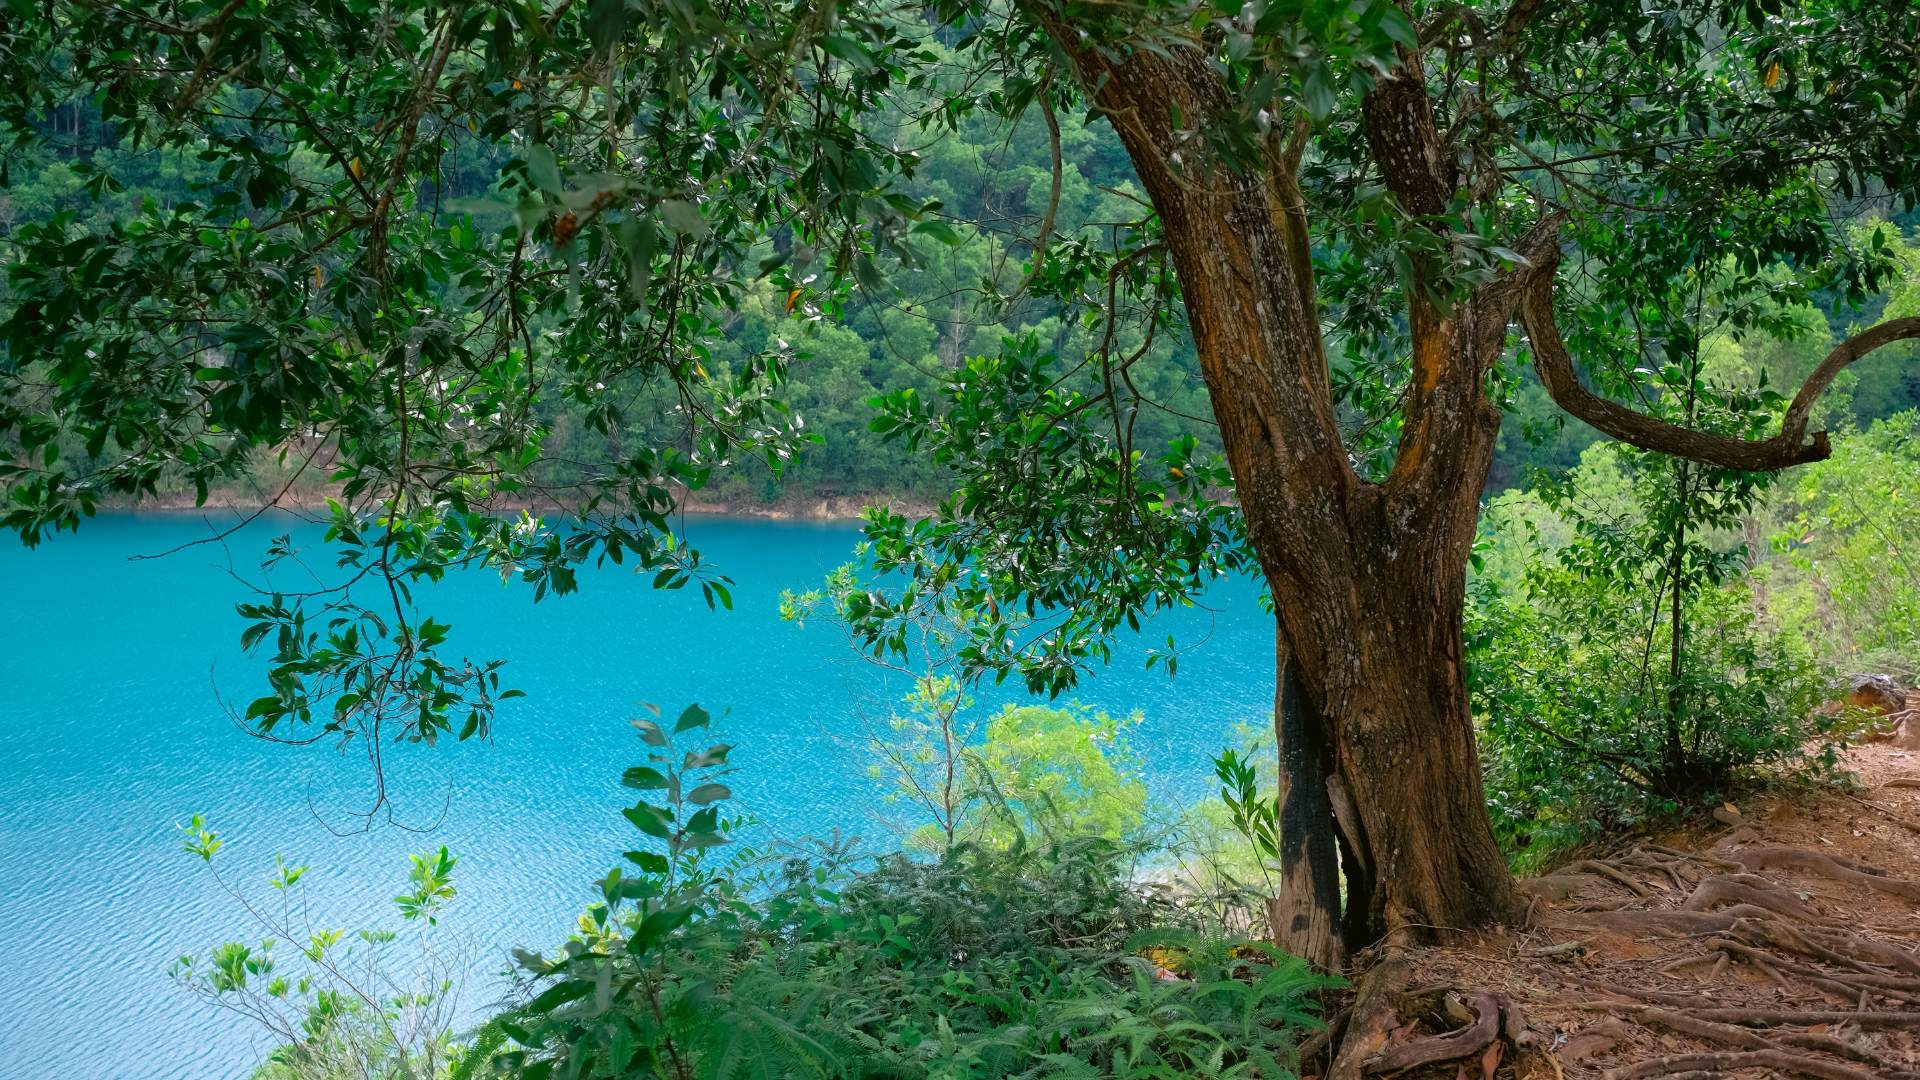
(109, 668)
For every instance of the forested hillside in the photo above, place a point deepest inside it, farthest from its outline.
(991, 180)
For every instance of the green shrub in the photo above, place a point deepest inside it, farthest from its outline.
(1022, 959)
(1056, 773)
(951, 776)
(1846, 543)
(372, 1004)
(1592, 714)
(1579, 733)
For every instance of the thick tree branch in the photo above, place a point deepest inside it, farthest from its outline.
(1258, 342)
(1792, 446)
(1449, 423)
(1800, 410)
(1404, 139)
(1290, 218)
(1518, 16)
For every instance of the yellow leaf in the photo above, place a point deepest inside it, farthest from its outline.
(355, 168)
(1773, 75)
(792, 299)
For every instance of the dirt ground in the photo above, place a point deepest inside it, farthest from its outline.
(1781, 940)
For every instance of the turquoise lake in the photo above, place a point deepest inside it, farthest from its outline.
(113, 672)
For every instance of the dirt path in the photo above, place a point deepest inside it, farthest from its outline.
(1783, 941)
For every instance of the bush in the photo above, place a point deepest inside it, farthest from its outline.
(952, 777)
(366, 1005)
(1580, 735)
(1057, 773)
(1024, 959)
(1846, 542)
(1592, 715)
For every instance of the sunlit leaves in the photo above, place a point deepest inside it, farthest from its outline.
(431, 881)
(200, 841)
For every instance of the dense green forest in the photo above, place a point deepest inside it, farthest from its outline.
(1549, 368)
(990, 177)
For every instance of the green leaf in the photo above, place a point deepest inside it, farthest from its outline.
(683, 217)
(637, 237)
(941, 231)
(714, 755)
(651, 862)
(658, 925)
(606, 23)
(693, 717)
(650, 819)
(542, 170)
(1317, 92)
(707, 793)
(559, 994)
(1395, 24)
(705, 822)
(644, 778)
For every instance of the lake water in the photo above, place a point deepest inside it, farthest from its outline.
(112, 674)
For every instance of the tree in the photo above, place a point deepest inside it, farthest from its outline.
(1349, 201)
(1316, 183)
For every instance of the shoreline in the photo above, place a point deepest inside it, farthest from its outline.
(812, 508)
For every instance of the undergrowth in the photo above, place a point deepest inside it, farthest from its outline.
(1032, 959)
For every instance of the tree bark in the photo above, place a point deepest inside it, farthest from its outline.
(1792, 446)
(1306, 912)
(1404, 741)
(1368, 579)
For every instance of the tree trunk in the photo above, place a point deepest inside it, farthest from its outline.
(1306, 913)
(1368, 579)
(1413, 810)
(1401, 771)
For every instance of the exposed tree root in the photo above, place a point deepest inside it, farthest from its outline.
(1781, 1061)
(1833, 946)
(1555, 886)
(1742, 1038)
(1318, 1043)
(1668, 923)
(1828, 866)
(1772, 955)
(1764, 925)
(1565, 948)
(1384, 1008)
(1470, 1040)
(1847, 986)
(1888, 1021)
(1611, 873)
(1376, 1013)
(1752, 890)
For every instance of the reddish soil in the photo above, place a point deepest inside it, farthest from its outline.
(1778, 941)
